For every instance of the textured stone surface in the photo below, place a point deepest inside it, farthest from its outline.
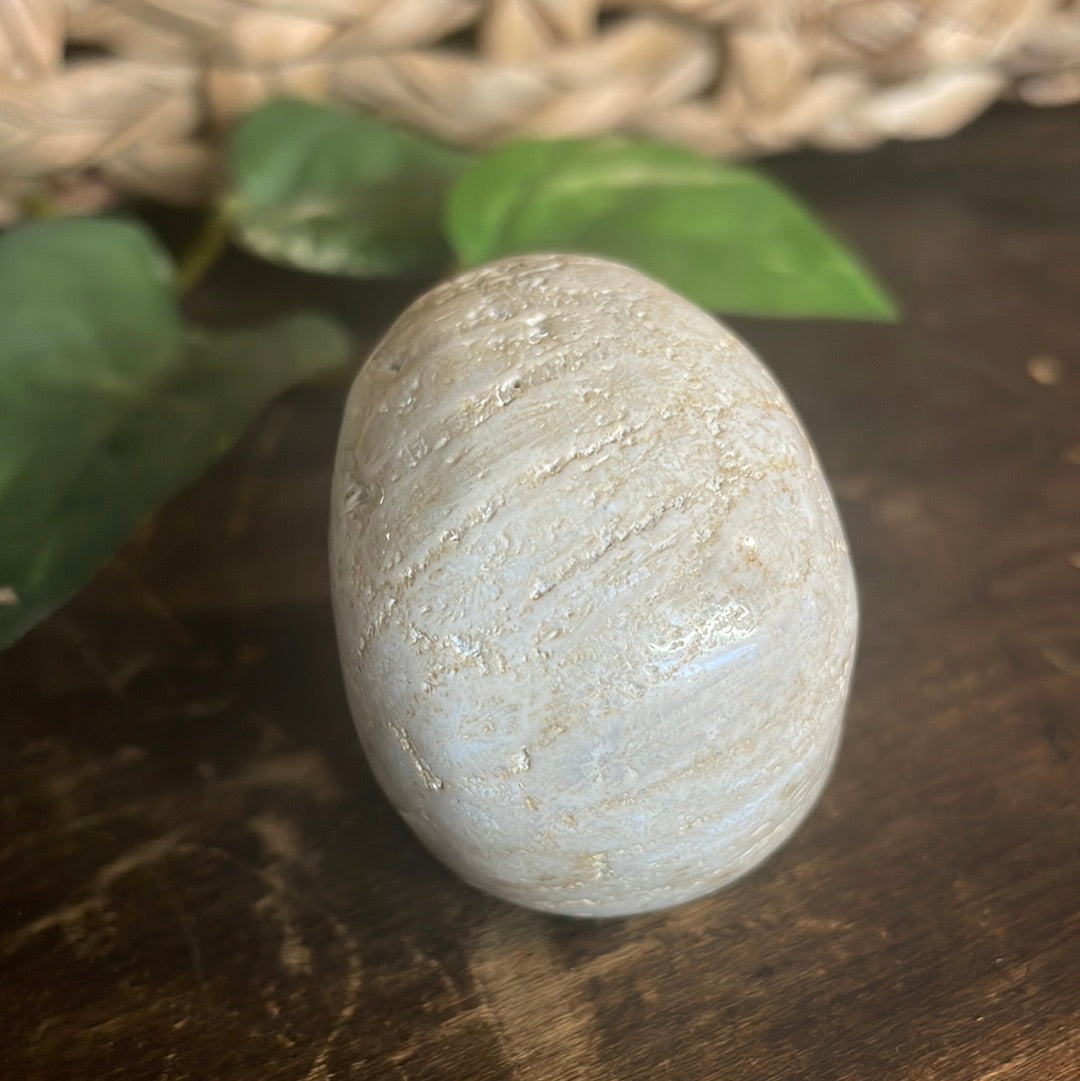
(595, 609)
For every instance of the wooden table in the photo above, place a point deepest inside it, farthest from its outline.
(200, 880)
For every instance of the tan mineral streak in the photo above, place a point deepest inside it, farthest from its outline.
(596, 613)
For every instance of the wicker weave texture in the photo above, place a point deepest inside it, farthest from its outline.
(100, 98)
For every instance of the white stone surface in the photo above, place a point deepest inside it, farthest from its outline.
(596, 613)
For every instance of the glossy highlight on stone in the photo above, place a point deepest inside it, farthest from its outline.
(595, 608)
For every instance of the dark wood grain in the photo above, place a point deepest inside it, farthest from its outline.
(200, 879)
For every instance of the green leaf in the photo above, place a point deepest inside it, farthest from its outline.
(329, 191)
(109, 404)
(725, 237)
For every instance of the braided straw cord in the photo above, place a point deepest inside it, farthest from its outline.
(131, 96)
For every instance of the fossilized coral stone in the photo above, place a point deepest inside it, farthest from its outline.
(595, 609)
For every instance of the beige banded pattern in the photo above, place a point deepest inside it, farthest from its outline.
(595, 608)
(103, 97)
